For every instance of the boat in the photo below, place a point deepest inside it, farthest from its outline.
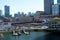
(19, 33)
(15, 34)
(25, 32)
(1, 35)
(44, 27)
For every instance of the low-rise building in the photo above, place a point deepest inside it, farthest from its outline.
(54, 23)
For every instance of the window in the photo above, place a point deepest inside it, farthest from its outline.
(5, 23)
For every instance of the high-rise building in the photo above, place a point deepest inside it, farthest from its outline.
(18, 13)
(7, 11)
(48, 6)
(15, 15)
(0, 12)
(29, 14)
(56, 9)
(22, 13)
(58, 1)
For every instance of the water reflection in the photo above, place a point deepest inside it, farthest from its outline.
(33, 36)
(50, 36)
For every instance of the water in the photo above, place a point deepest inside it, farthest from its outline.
(32, 36)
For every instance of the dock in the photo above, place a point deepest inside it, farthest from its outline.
(31, 29)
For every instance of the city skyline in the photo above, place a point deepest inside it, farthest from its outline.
(23, 6)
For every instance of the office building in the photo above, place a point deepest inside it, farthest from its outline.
(22, 14)
(7, 11)
(48, 6)
(15, 15)
(56, 9)
(0, 12)
(18, 13)
(29, 14)
(58, 1)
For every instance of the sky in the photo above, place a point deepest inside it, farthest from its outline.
(23, 5)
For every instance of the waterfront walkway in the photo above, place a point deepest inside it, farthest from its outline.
(31, 30)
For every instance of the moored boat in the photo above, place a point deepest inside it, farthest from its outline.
(15, 34)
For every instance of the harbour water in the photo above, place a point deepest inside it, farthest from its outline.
(32, 36)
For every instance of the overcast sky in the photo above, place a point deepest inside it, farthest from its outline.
(23, 5)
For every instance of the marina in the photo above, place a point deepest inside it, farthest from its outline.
(28, 20)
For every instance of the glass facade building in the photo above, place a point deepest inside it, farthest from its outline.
(18, 13)
(48, 6)
(56, 9)
(58, 1)
(0, 12)
(7, 11)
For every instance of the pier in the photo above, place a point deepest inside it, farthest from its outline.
(31, 29)
(52, 26)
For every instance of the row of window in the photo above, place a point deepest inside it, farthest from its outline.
(4, 24)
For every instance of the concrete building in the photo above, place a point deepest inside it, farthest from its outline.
(38, 13)
(20, 19)
(56, 9)
(48, 6)
(7, 11)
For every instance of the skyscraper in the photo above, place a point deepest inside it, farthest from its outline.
(56, 9)
(18, 13)
(58, 1)
(0, 12)
(7, 11)
(15, 15)
(29, 14)
(48, 6)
